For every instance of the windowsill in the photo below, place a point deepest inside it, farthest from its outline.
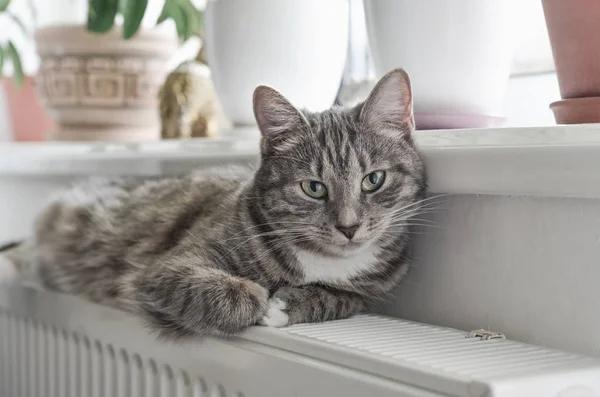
(559, 161)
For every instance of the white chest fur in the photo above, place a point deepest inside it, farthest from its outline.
(318, 268)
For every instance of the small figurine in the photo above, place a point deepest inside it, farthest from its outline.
(189, 105)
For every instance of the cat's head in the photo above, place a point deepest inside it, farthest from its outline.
(338, 181)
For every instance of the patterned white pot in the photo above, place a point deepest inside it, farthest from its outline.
(101, 87)
(296, 46)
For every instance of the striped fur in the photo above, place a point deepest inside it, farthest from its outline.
(215, 251)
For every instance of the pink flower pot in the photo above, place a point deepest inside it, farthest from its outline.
(28, 118)
(577, 110)
(575, 40)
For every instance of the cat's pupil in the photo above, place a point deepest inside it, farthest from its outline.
(374, 178)
(315, 186)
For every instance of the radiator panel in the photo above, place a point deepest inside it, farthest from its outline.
(62, 346)
(37, 360)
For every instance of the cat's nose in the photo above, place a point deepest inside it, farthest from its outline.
(348, 230)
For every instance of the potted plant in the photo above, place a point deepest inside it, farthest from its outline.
(458, 53)
(299, 46)
(101, 80)
(574, 38)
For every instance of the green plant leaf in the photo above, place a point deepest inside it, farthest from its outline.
(18, 21)
(173, 10)
(133, 13)
(178, 15)
(194, 18)
(181, 22)
(4, 5)
(188, 19)
(164, 14)
(18, 74)
(101, 15)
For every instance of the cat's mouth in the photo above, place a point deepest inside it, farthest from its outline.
(335, 247)
(346, 249)
(353, 246)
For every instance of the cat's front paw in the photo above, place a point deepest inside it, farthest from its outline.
(276, 315)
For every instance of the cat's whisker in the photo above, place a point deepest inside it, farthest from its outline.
(412, 216)
(423, 202)
(417, 215)
(414, 212)
(424, 220)
(281, 244)
(409, 223)
(266, 234)
(412, 222)
(234, 249)
(192, 242)
(417, 205)
(266, 224)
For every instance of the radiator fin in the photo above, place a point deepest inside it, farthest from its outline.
(443, 349)
(37, 360)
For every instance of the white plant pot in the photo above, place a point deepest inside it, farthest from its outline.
(458, 54)
(296, 46)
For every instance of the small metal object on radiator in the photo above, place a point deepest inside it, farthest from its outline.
(485, 335)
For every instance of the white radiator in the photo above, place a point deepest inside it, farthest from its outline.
(60, 346)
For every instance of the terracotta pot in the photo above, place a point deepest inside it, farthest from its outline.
(29, 120)
(577, 110)
(101, 87)
(575, 39)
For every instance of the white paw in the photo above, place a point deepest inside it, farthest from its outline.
(276, 317)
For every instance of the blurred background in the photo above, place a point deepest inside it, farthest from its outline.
(474, 63)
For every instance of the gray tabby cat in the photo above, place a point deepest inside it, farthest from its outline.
(317, 232)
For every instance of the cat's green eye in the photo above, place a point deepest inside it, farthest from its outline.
(314, 189)
(373, 181)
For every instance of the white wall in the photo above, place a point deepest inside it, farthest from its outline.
(528, 97)
(528, 267)
(532, 50)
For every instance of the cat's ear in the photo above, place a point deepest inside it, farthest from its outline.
(280, 123)
(390, 102)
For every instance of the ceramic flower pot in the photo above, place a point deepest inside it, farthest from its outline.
(101, 87)
(458, 54)
(575, 39)
(298, 47)
(577, 110)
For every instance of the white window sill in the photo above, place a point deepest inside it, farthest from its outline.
(560, 161)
